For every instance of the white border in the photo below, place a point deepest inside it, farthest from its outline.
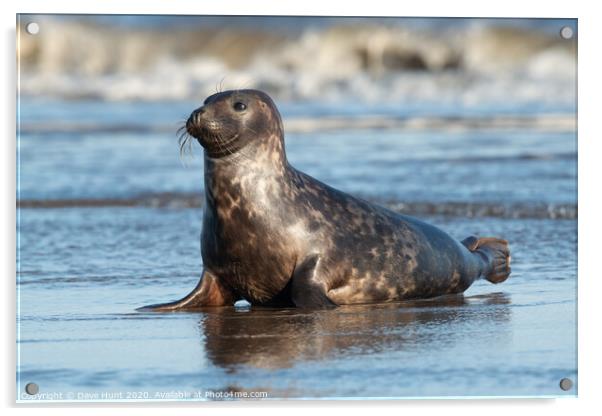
(589, 192)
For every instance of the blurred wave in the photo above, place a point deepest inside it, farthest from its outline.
(343, 59)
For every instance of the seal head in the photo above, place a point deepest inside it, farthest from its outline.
(232, 120)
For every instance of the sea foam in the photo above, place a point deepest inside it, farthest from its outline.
(367, 62)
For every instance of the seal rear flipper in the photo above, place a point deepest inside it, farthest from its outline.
(471, 242)
(496, 254)
(306, 292)
(208, 292)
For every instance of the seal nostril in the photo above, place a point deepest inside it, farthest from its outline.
(196, 115)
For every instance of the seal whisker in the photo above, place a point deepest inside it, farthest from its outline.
(184, 142)
(235, 156)
(225, 145)
(219, 142)
(252, 131)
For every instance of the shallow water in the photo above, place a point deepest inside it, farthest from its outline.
(82, 271)
(467, 164)
(79, 331)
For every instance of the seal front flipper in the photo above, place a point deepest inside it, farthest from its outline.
(306, 290)
(208, 292)
(496, 255)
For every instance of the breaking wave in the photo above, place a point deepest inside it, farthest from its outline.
(355, 59)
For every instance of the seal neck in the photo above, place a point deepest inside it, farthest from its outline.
(249, 185)
(240, 172)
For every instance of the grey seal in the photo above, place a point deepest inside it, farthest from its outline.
(275, 236)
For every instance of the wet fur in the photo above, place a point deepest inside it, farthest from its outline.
(275, 236)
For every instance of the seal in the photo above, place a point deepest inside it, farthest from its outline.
(275, 236)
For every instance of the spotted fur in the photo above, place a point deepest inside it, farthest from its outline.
(275, 236)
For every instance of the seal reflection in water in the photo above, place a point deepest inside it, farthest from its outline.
(274, 236)
(282, 338)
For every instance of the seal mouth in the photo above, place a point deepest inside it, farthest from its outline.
(205, 131)
(213, 135)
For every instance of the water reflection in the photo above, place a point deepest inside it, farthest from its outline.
(280, 338)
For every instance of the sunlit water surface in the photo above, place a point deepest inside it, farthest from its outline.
(82, 271)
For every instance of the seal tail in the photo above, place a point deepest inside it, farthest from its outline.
(496, 254)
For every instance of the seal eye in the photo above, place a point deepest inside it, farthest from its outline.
(238, 106)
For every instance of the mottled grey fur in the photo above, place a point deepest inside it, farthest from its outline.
(275, 236)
